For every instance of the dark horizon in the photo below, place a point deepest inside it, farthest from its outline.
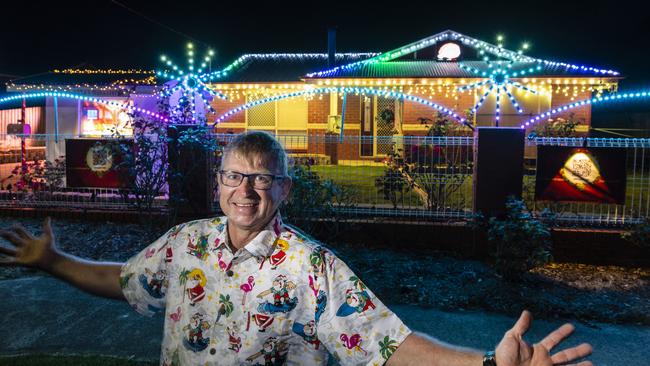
(133, 34)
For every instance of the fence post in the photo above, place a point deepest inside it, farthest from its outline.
(191, 182)
(498, 168)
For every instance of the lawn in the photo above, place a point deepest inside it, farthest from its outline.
(362, 179)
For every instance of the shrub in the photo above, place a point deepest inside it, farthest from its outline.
(40, 175)
(519, 241)
(639, 235)
(393, 184)
(559, 127)
(313, 198)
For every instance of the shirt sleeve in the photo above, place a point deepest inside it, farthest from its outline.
(144, 277)
(355, 326)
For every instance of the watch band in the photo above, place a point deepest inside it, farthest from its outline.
(489, 359)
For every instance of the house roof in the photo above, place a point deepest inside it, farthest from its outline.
(446, 69)
(288, 67)
(390, 60)
(82, 78)
(294, 67)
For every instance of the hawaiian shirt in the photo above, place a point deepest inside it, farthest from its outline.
(283, 299)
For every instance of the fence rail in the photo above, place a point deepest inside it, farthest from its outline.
(424, 179)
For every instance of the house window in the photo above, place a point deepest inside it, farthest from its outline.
(286, 118)
(261, 116)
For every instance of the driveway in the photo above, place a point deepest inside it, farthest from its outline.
(42, 314)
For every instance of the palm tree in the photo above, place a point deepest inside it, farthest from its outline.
(124, 281)
(387, 347)
(183, 277)
(225, 306)
(357, 283)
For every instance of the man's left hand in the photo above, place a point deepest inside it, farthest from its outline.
(514, 351)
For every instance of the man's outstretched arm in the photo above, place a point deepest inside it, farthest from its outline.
(97, 278)
(418, 349)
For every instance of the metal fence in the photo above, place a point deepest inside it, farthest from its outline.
(636, 205)
(422, 179)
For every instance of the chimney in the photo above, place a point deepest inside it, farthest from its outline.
(331, 46)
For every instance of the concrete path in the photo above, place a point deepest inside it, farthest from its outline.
(42, 314)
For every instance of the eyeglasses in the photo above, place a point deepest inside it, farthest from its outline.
(258, 181)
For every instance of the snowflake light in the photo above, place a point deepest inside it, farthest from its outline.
(498, 80)
(189, 96)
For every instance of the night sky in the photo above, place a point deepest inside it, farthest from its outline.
(133, 34)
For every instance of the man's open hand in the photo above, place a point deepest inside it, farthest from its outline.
(28, 250)
(514, 351)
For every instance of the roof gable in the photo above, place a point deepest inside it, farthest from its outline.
(501, 53)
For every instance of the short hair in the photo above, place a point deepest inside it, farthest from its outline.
(251, 144)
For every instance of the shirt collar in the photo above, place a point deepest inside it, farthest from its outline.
(263, 244)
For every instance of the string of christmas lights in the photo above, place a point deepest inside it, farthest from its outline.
(621, 96)
(102, 71)
(266, 56)
(186, 88)
(86, 98)
(447, 35)
(381, 93)
(498, 76)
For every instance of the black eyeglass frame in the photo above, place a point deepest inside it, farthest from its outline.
(249, 176)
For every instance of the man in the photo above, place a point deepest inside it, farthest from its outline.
(317, 287)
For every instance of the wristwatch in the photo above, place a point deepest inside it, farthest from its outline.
(489, 359)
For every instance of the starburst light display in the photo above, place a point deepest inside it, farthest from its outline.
(498, 79)
(189, 96)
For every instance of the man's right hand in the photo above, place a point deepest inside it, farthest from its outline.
(29, 250)
(98, 278)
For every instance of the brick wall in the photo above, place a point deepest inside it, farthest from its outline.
(414, 110)
(351, 148)
(222, 106)
(316, 141)
(318, 109)
(352, 108)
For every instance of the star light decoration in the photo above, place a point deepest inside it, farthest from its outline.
(498, 80)
(189, 96)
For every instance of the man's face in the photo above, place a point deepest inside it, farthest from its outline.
(250, 209)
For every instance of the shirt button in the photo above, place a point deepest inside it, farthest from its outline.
(229, 273)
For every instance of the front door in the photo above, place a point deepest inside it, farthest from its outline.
(385, 126)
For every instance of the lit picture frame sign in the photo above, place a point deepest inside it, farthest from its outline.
(577, 174)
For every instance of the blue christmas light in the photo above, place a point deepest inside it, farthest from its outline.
(186, 90)
(498, 77)
(608, 98)
(85, 98)
(371, 91)
(450, 35)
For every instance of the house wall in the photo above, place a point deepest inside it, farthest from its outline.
(68, 124)
(413, 110)
(34, 117)
(320, 107)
